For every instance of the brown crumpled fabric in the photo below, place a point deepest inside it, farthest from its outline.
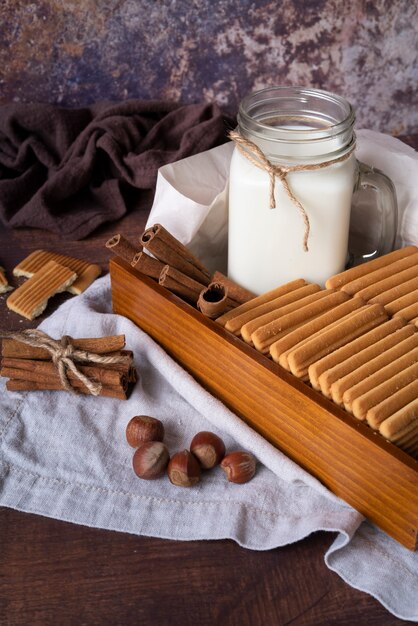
(70, 170)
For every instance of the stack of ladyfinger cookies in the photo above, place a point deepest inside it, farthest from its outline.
(356, 341)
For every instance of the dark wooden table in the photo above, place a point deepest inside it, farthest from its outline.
(56, 573)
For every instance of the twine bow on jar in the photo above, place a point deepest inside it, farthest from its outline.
(257, 157)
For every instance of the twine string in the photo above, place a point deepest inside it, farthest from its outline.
(64, 355)
(256, 156)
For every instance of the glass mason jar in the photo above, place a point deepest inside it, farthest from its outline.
(307, 137)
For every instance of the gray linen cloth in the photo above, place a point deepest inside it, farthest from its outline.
(65, 456)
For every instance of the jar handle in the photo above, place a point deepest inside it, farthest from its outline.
(381, 187)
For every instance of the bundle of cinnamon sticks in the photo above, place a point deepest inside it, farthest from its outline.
(30, 368)
(164, 258)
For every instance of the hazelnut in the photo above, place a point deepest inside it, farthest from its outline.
(208, 448)
(239, 466)
(184, 469)
(143, 428)
(150, 460)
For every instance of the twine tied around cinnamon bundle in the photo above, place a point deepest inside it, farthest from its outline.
(257, 157)
(64, 355)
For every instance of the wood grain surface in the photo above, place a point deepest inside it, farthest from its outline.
(56, 573)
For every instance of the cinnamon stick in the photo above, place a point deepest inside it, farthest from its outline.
(180, 284)
(102, 345)
(235, 292)
(213, 301)
(44, 371)
(166, 248)
(147, 265)
(122, 247)
(119, 392)
(93, 371)
(131, 370)
(49, 382)
(126, 367)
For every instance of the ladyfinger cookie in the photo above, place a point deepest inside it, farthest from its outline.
(270, 311)
(380, 286)
(409, 313)
(281, 348)
(378, 413)
(381, 273)
(366, 362)
(293, 317)
(354, 325)
(86, 272)
(278, 292)
(392, 427)
(4, 283)
(405, 307)
(403, 369)
(345, 353)
(31, 298)
(401, 428)
(398, 297)
(338, 280)
(408, 435)
(361, 405)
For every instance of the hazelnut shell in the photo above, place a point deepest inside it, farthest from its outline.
(208, 448)
(150, 460)
(239, 466)
(143, 428)
(183, 469)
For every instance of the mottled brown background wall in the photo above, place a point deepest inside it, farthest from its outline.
(75, 52)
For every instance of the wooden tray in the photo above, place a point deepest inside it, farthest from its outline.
(372, 475)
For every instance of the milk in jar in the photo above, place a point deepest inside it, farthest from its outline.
(292, 127)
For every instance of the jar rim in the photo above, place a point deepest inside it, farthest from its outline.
(336, 116)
